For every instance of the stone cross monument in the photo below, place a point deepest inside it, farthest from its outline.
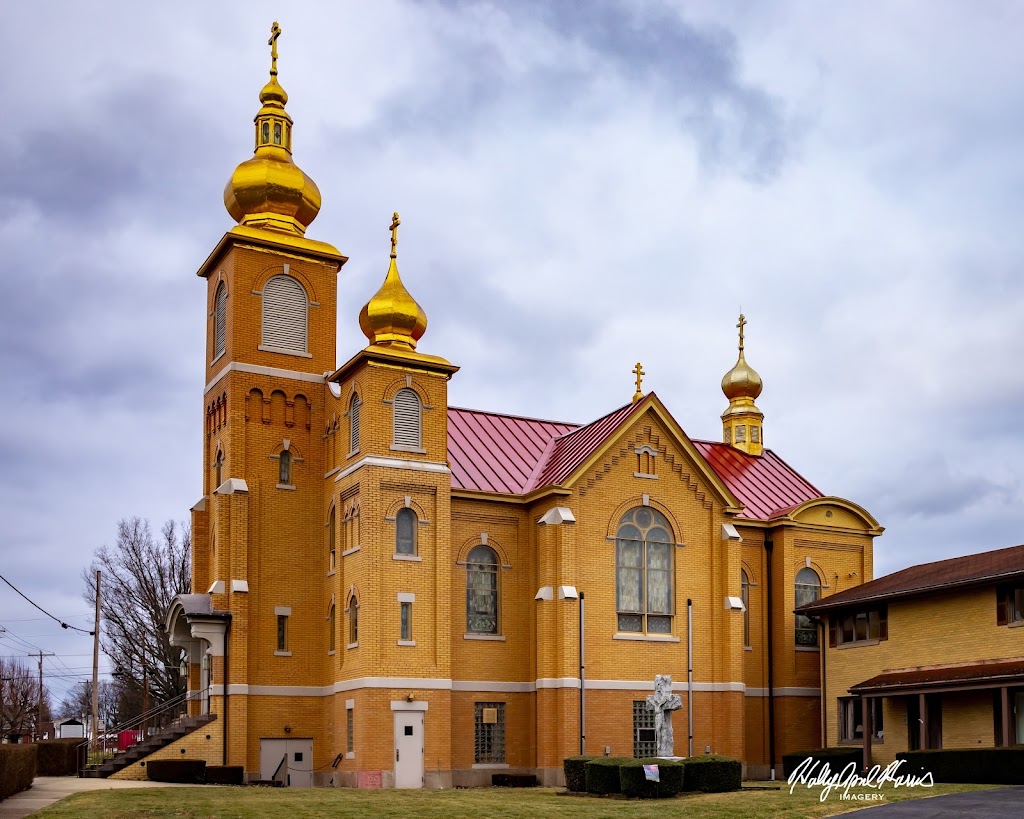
(663, 702)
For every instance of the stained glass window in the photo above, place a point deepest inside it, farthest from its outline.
(643, 572)
(482, 591)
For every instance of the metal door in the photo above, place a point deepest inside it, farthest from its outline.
(408, 749)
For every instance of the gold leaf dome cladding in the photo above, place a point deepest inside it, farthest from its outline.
(742, 381)
(270, 190)
(393, 316)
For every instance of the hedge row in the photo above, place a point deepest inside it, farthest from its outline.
(57, 757)
(978, 766)
(224, 775)
(607, 775)
(190, 771)
(17, 768)
(837, 759)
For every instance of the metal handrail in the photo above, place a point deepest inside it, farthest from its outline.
(154, 717)
(277, 770)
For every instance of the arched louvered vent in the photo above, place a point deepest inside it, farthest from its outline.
(408, 414)
(285, 315)
(353, 423)
(220, 319)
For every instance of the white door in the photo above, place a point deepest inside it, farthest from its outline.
(408, 749)
(288, 761)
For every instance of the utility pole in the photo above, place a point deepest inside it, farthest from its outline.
(39, 711)
(96, 664)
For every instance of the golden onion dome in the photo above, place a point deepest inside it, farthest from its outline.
(270, 190)
(392, 316)
(742, 381)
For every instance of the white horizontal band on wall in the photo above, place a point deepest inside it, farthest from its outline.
(784, 692)
(256, 369)
(393, 463)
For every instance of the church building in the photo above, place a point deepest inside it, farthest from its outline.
(394, 592)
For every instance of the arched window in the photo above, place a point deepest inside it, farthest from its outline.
(218, 470)
(482, 591)
(353, 621)
(405, 532)
(285, 315)
(331, 624)
(643, 572)
(745, 596)
(408, 413)
(285, 468)
(808, 589)
(353, 423)
(220, 318)
(332, 546)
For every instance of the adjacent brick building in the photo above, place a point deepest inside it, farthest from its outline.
(392, 587)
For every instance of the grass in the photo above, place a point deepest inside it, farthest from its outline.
(479, 803)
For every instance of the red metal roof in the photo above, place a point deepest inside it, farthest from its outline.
(985, 567)
(491, 452)
(766, 485)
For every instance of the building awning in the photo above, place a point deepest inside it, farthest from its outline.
(950, 678)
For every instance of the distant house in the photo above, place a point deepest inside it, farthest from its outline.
(928, 657)
(70, 728)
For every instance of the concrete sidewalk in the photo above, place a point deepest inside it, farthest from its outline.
(46, 790)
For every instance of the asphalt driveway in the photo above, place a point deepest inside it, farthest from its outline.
(999, 803)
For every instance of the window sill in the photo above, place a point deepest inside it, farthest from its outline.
(406, 643)
(410, 558)
(331, 573)
(649, 475)
(334, 471)
(1016, 624)
(350, 755)
(646, 638)
(809, 649)
(218, 357)
(494, 637)
(748, 648)
(858, 644)
(289, 486)
(353, 645)
(489, 766)
(351, 551)
(416, 450)
(282, 654)
(353, 452)
(330, 653)
(282, 351)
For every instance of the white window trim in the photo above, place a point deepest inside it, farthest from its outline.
(280, 351)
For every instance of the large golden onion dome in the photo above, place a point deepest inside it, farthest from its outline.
(270, 190)
(393, 317)
(742, 381)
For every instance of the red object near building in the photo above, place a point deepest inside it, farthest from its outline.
(125, 739)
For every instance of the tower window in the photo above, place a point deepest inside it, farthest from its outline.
(741, 433)
(405, 532)
(406, 620)
(285, 468)
(755, 434)
(218, 470)
(353, 622)
(408, 412)
(353, 422)
(220, 309)
(277, 133)
(332, 547)
(807, 590)
(745, 596)
(331, 624)
(285, 316)
(482, 591)
(643, 572)
(266, 133)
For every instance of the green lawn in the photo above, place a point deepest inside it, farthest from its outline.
(480, 803)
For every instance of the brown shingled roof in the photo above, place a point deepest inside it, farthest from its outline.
(976, 674)
(985, 567)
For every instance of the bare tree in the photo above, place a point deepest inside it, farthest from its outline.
(140, 577)
(78, 702)
(19, 697)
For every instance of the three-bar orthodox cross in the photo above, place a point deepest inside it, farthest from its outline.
(275, 32)
(639, 372)
(395, 222)
(741, 325)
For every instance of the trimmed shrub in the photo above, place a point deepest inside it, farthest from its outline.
(575, 775)
(602, 774)
(633, 781)
(837, 759)
(977, 766)
(224, 775)
(57, 757)
(514, 780)
(190, 771)
(17, 768)
(712, 773)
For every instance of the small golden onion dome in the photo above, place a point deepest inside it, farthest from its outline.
(270, 190)
(392, 316)
(742, 381)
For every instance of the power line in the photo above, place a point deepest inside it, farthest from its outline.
(44, 611)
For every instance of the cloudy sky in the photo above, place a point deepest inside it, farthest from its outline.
(582, 186)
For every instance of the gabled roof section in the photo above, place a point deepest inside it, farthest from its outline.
(986, 567)
(766, 485)
(490, 452)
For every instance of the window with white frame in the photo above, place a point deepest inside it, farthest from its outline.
(643, 572)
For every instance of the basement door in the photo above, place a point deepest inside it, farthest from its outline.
(408, 749)
(289, 761)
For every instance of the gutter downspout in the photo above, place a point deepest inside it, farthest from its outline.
(769, 545)
(227, 654)
(689, 674)
(824, 699)
(583, 683)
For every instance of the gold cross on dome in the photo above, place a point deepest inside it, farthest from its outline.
(275, 32)
(639, 372)
(741, 325)
(395, 222)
